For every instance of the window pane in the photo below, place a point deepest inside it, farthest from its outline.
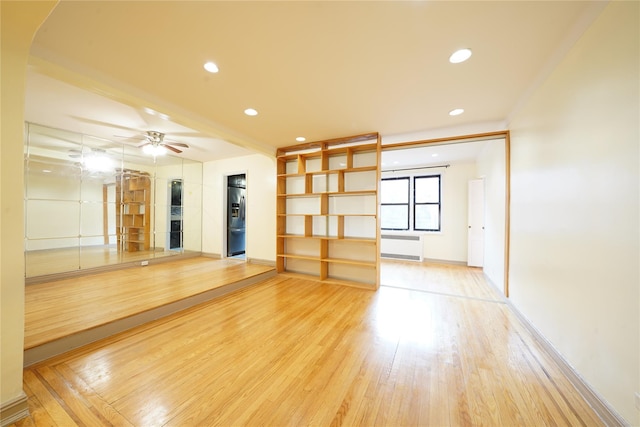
(394, 217)
(427, 189)
(427, 217)
(394, 191)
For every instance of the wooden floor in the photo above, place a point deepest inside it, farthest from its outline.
(294, 352)
(64, 307)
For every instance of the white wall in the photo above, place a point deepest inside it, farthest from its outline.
(451, 243)
(58, 196)
(191, 175)
(491, 167)
(575, 207)
(261, 205)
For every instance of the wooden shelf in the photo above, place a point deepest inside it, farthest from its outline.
(133, 206)
(331, 193)
(371, 241)
(329, 171)
(343, 175)
(326, 215)
(371, 264)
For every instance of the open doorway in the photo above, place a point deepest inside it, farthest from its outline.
(174, 238)
(457, 161)
(236, 215)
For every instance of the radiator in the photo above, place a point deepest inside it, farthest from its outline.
(401, 246)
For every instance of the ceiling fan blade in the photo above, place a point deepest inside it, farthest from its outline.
(140, 136)
(143, 144)
(177, 144)
(168, 147)
(101, 123)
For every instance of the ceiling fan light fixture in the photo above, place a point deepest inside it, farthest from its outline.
(211, 67)
(460, 55)
(97, 163)
(154, 150)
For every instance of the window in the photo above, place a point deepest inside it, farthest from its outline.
(426, 203)
(394, 201)
(422, 195)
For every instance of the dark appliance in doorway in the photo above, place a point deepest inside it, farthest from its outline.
(236, 209)
(175, 232)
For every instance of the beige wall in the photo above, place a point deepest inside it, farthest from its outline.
(575, 208)
(451, 243)
(491, 167)
(19, 22)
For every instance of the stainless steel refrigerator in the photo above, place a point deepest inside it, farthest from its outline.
(236, 205)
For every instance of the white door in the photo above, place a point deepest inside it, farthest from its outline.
(475, 241)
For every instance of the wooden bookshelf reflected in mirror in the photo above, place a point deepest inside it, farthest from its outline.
(133, 207)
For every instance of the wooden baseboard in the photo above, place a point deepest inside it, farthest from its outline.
(606, 413)
(14, 410)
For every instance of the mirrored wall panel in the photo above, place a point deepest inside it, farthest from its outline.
(91, 202)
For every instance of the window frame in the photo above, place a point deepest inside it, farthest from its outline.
(408, 204)
(438, 203)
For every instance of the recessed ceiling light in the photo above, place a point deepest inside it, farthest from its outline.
(301, 139)
(456, 112)
(460, 56)
(46, 171)
(211, 67)
(250, 112)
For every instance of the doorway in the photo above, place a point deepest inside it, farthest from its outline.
(236, 215)
(496, 176)
(174, 238)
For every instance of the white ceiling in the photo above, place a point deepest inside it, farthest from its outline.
(320, 70)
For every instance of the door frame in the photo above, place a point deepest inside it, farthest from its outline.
(167, 243)
(507, 175)
(225, 185)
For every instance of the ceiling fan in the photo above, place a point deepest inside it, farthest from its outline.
(156, 144)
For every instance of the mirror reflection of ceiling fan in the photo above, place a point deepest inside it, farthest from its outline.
(153, 142)
(156, 141)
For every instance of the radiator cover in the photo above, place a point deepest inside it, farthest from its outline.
(401, 246)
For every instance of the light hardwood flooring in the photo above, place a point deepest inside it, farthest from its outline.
(64, 307)
(294, 352)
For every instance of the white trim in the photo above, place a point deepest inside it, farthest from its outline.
(261, 262)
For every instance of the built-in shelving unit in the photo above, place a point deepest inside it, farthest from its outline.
(133, 206)
(327, 210)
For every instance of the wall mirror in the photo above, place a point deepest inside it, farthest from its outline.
(91, 203)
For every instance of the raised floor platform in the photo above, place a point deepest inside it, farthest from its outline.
(65, 314)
